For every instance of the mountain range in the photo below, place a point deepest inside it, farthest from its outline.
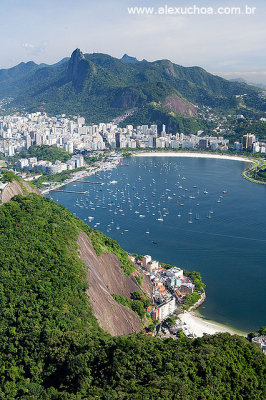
(102, 87)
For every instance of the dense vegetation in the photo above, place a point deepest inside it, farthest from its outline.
(46, 153)
(101, 87)
(196, 279)
(138, 303)
(44, 306)
(191, 299)
(258, 128)
(211, 368)
(51, 346)
(158, 115)
(171, 320)
(8, 176)
(261, 173)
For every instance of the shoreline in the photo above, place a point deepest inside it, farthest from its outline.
(256, 164)
(193, 155)
(74, 179)
(77, 177)
(199, 325)
(154, 154)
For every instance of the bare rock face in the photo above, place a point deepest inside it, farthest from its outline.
(170, 69)
(14, 188)
(80, 71)
(106, 277)
(74, 63)
(180, 106)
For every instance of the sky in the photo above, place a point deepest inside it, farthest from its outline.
(48, 30)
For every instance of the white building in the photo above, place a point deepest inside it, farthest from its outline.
(23, 163)
(175, 272)
(152, 265)
(145, 261)
(166, 309)
(79, 160)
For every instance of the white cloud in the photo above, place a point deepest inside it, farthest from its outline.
(28, 45)
(36, 49)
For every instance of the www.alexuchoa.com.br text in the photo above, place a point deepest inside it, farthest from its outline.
(192, 10)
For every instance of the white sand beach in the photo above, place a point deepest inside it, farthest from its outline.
(199, 326)
(194, 155)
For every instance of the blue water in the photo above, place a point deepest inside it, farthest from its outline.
(226, 241)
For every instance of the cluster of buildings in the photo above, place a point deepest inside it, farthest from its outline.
(146, 136)
(170, 287)
(19, 132)
(32, 164)
(250, 143)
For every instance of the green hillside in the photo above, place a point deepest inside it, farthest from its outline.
(155, 114)
(102, 87)
(47, 153)
(51, 346)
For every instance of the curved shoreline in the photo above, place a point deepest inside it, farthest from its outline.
(249, 170)
(254, 162)
(199, 325)
(193, 155)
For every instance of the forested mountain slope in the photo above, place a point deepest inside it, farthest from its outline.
(102, 87)
(51, 346)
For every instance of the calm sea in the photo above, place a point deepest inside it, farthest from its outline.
(196, 213)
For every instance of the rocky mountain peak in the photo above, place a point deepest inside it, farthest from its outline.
(76, 57)
(129, 60)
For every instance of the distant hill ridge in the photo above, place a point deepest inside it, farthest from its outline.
(242, 80)
(102, 87)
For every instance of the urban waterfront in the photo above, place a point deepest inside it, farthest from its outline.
(195, 213)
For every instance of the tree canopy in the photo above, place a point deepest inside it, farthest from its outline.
(47, 153)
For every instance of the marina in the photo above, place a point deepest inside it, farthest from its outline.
(198, 225)
(69, 191)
